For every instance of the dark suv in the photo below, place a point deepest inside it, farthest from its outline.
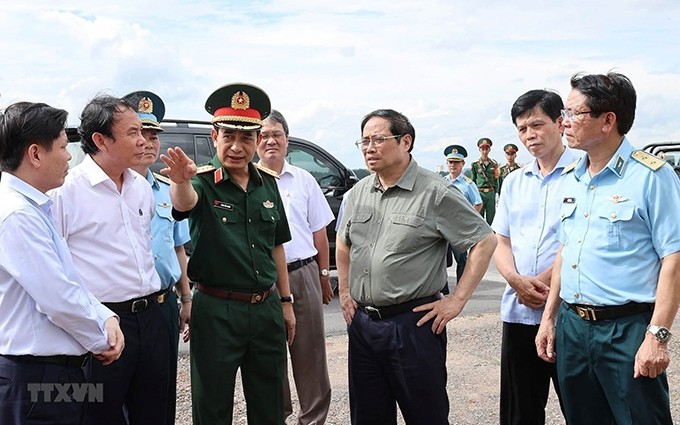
(194, 138)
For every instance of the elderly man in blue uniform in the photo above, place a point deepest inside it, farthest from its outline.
(455, 160)
(608, 328)
(238, 227)
(50, 321)
(526, 225)
(391, 263)
(307, 256)
(168, 237)
(104, 212)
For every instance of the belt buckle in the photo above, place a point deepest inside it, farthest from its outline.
(586, 313)
(139, 305)
(257, 298)
(372, 312)
(161, 298)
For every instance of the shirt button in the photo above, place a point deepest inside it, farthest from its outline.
(257, 272)
(252, 245)
(578, 240)
(591, 187)
(573, 266)
(613, 215)
(586, 214)
(577, 296)
(224, 219)
(250, 221)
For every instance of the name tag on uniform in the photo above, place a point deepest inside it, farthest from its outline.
(568, 200)
(223, 205)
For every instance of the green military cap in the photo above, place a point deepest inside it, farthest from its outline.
(455, 152)
(150, 108)
(238, 106)
(510, 148)
(484, 141)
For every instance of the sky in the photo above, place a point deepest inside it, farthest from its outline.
(453, 67)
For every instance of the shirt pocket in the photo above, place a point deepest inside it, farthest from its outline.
(618, 223)
(165, 223)
(566, 218)
(404, 233)
(359, 227)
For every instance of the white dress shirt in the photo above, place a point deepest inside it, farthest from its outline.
(45, 308)
(306, 208)
(108, 232)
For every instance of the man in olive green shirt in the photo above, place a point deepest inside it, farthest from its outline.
(391, 262)
(238, 226)
(485, 172)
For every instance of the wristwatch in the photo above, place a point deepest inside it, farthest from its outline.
(289, 299)
(323, 272)
(662, 334)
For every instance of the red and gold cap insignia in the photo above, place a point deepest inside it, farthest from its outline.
(240, 100)
(146, 105)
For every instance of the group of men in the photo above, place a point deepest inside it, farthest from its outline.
(589, 247)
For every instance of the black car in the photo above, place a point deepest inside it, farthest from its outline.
(194, 138)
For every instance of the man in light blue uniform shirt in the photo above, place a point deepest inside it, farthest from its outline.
(608, 328)
(50, 321)
(526, 224)
(168, 237)
(455, 160)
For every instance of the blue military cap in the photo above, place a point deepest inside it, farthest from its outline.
(455, 152)
(150, 108)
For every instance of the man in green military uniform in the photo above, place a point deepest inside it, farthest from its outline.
(510, 155)
(485, 172)
(238, 226)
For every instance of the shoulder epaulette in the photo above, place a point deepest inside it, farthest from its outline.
(650, 161)
(162, 178)
(205, 168)
(467, 179)
(569, 167)
(267, 171)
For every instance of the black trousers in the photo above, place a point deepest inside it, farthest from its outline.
(138, 380)
(525, 377)
(40, 393)
(392, 362)
(170, 311)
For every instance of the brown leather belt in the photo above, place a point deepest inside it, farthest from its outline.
(485, 190)
(593, 313)
(248, 297)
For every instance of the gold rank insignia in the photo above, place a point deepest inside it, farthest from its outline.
(650, 161)
(161, 178)
(617, 199)
(268, 204)
(204, 168)
(267, 170)
(240, 100)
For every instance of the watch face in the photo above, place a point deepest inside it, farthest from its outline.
(663, 334)
(324, 272)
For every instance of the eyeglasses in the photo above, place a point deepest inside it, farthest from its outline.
(571, 115)
(377, 140)
(278, 135)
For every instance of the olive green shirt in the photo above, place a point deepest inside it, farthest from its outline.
(397, 237)
(486, 175)
(234, 231)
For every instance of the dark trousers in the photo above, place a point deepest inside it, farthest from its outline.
(138, 380)
(170, 311)
(488, 210)
(25, 400)
(525, 377)
(595, 370)
(393, 361)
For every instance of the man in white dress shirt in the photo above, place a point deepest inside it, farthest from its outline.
(104, 212)
(307, 255)
(50, 321)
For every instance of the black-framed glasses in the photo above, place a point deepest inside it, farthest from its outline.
(278, 135)
(571, 115)
(376, 139)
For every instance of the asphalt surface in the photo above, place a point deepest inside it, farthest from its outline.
(486, 299)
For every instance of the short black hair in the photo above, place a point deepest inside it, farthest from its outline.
(613, 92)
(399, 124)
(25, 123)
(98, 117)
(549, 102)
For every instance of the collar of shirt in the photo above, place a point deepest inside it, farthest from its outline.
(152, 180)
(407, 179)
(567, 157)
(251, 169)
(616, 164)
(39, 199)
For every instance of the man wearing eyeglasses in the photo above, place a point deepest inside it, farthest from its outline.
(485, 172)
(614, 291)
(307, 259)
(510, 155)
(391, 264)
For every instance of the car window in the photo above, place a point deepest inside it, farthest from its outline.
(204, 149)
(325, 173)
(184, 141)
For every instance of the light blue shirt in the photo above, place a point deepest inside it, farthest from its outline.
(616, 227)
(529, 214)
(44, 306)
(467, 187)
(166, 234)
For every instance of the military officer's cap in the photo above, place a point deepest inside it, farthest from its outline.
(510, 148)
(238, 106)
(455, 152)
(150, 108)
(484, 141)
